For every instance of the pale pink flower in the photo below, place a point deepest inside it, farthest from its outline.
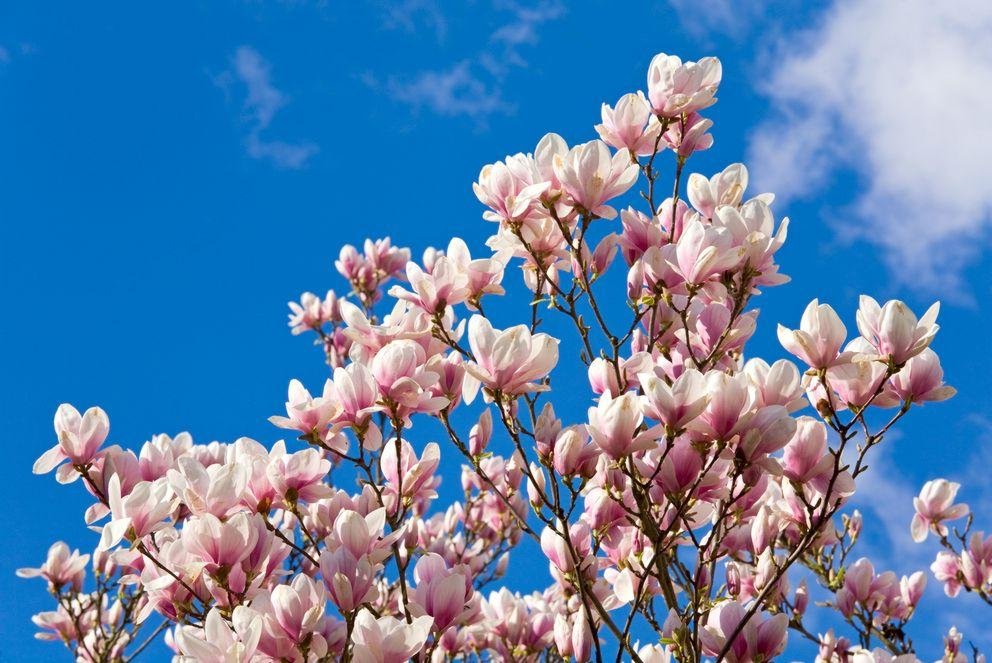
(819, 337)
(591, 176)
(894, 331)
(349, 579)
(299, 607)
(60, 568)
(510, 360)
(675, 87)
(702, 252)
(356, 391)
(677, 404)
(219, 543)
(405, 379)
(219, 641)
(215, 489)
(510, 188)
(574, 454)
(307, 414)
(299, 476)
(388, 639)
(630, 125)
(762, 638)
(614, 423)
(444, 593)
(935, 506)
(690, 136)
(921, 380)
(79, 438)
(411, 477)
(724, 188)
(312, 313)
(137, 514)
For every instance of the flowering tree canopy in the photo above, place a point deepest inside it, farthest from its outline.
(697, 510)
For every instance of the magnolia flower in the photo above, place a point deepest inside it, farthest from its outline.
(79, 438)
(675, 405)
(511, 360)
(614, 423)
(137, 514)
(921, 380)
(934, 506)
(761, 638)
(894, 331)
(675, 87)
(819, 337)
(444, 593)
(388, 639)
(307, 414)
(509, 188)
(630, 125)
(591, 176)
(60, 568)
(217, 641)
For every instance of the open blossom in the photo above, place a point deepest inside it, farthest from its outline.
(509, 188)
(312, 313)
(761, 639)
(219, 641)
(630, 125)
(921, 380)
(79, 438)
(60, 568)
(308, 414)
(140, 512)
(511, 360)
(819, 337)
(725, 188)
(935, 506)
(894, 331)
(675, 87)
(591, 176)
(388, 639)
(678, 404)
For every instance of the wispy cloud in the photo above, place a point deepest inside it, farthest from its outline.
(473, 86)
(262, 101)
(733, 18)
(410, 15)
(897, 93)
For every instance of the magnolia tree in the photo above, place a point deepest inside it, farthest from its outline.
(695, 512)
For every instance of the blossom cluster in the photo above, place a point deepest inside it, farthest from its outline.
(691, 512)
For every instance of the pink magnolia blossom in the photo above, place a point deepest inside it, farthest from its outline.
(819, 337)
(935, 506)
(79, 438)
(60, 568)
(388, 639)
(675, 87)
(219, 641)
(307, 414)
(511, 360)
(592, 177)
(894, 331)
(761, 638)
(630, 125)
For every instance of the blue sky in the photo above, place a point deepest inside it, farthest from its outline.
(169, 178)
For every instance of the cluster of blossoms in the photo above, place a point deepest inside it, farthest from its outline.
(690, 514)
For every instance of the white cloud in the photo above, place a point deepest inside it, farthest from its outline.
(472, 86)
(262, 101)
(456, 91)
(409, 15)
(900, 93)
